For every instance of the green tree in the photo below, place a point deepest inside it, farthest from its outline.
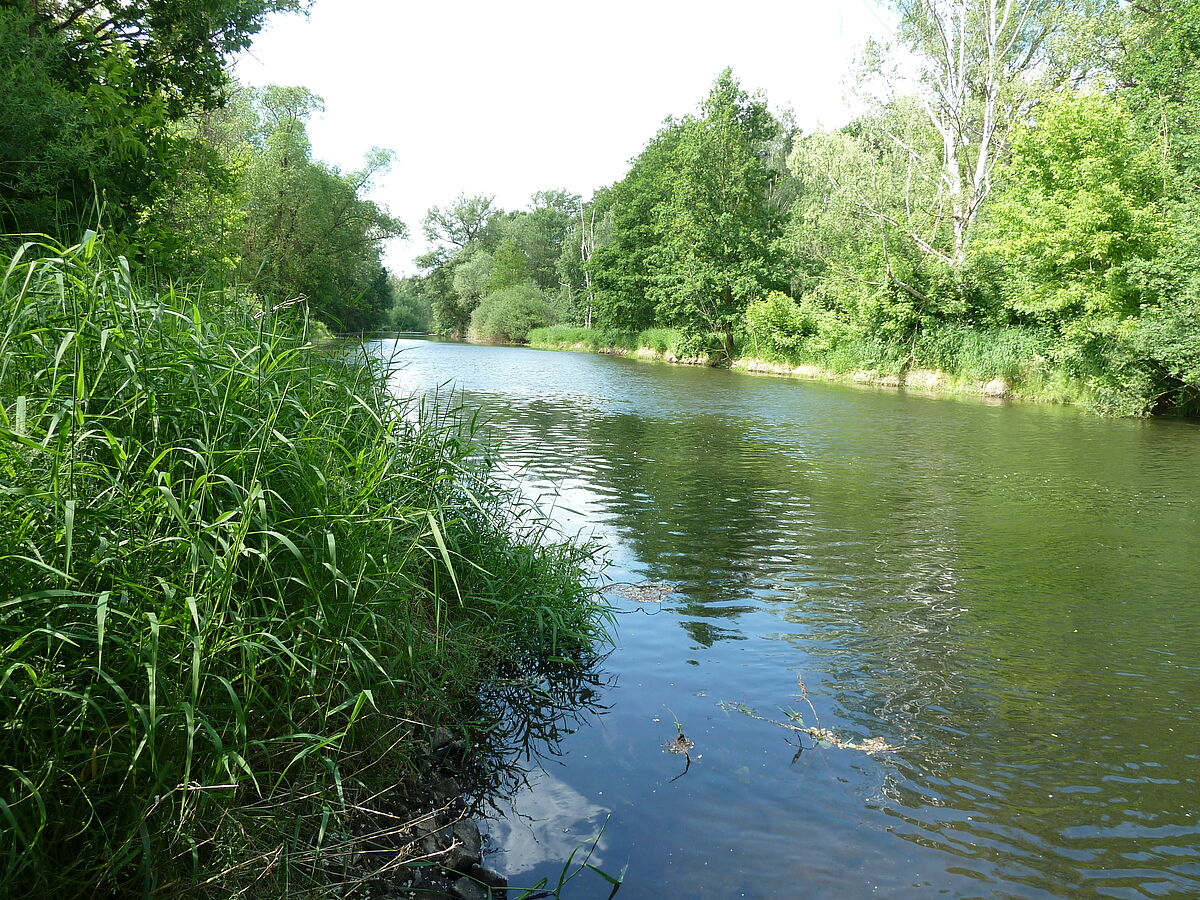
(510, 313)
(542, 231)
(472, 275)
(592, 230)
(981, 66)
(718, 225)
(865, 236)
(510, 266)
(310, 233)
(622, 269)
(1159, 76)
(98, 85)
(1081, 203)
(47, 144)
(411, 310)
(465, 221)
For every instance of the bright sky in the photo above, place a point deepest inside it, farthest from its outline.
(510, 98)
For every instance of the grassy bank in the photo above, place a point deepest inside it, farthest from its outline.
(238, 582)
(953, 359)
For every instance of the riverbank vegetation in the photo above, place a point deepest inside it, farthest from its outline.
(1015, 202)
(241, 586)
(238, 578)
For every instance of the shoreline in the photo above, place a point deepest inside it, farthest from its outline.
(929, 381)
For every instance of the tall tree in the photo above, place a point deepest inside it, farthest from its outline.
(463, 222)
(310, 232)
(979, 62)
(95, 86)
(177, 48)
(1081, 203)
(622, 268)
(718, 225)
(541, 232)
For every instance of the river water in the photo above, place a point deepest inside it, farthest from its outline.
(1009, 595)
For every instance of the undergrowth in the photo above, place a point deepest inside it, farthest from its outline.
(237, 581)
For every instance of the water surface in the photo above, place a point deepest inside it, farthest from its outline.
(1007, 593)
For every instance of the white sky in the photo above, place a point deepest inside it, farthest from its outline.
(510, 98)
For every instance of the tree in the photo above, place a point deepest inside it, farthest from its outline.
(466, 220)
(718, 226)
(978, 67)
(310, 233)
(541, 232)
(621, 269)
(864, 231)
(177, 48)
(510, 313)
(1159, 76)
(93, 87)
(510, 267)
(592, 230)
(471, 278)
(47, 143)
(410, 309)
(1080, 207)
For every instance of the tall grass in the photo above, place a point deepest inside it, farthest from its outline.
(566, 337)
(235, 580)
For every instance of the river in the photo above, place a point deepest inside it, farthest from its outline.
(1009, 595)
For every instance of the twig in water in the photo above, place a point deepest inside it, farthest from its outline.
(870, 746)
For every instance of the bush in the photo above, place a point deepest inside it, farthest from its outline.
(509, 314)
(777, 324)
(660, 340)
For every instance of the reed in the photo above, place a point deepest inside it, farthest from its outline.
(237, 579)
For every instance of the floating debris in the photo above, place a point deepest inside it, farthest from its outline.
(679, 744)
(869, 746)
(646, 591)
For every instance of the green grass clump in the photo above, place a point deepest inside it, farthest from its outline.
(596, 340)
(567, 337)
(235, 579)
(660, 340)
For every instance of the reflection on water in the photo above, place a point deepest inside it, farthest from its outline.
(544, 826)
(1008, 592)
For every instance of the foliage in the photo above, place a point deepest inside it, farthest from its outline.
(466, 221)
(509, 267)
(1079, 205)
(235, 574)
(718, 229)
(310, 233)
(47, 144)
(411, 310)
(777, 323)
(1160, 81)
(509, 314)
(622, 268)
(542, 232)
(99, 86)
(866, 235)
(981, 66)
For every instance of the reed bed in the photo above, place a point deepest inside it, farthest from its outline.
(237, 582)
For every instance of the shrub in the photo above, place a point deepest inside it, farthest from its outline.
(509, 314)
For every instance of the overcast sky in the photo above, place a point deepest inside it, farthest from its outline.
(510, 98)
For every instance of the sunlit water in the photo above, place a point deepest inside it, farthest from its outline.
(1009, 594)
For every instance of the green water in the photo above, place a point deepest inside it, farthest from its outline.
(1008, 594)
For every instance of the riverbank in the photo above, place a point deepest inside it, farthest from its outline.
(243, 590)
(863, 363)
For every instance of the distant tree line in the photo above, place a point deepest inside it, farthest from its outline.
(1021, 203)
